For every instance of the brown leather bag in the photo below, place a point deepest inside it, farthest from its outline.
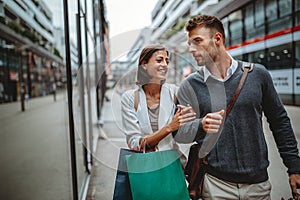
(195, 171)
(196, 167)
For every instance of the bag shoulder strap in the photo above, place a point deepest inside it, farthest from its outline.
(136, 99)
(175, 99)
(246, 67)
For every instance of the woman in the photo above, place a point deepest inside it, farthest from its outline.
(148, 112)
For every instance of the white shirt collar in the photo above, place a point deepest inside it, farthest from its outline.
(230, 71)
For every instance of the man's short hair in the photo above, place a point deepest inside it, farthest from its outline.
(207, 21)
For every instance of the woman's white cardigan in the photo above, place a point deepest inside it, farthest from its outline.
(136, 123)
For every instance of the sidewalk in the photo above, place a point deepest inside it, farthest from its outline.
(34, 150)
(112, 139)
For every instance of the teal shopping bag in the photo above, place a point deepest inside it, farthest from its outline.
(156, 175)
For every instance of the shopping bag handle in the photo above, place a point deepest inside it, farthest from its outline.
(144, 145)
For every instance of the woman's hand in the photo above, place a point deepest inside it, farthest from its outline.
(183, 115)
(187, 114)
(295, 184)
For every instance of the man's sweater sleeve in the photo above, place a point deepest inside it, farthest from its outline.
(190, 131)
(280, 125)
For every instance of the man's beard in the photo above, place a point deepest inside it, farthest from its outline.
(204, 62)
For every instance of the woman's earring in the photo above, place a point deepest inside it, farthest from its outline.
(145, 68)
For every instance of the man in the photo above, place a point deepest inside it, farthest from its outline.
(235, 145)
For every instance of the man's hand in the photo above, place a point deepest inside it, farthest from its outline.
(295, 183)
(212, 122)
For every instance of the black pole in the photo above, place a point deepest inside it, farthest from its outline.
(81, 87)
(22, 85)
(95, 14)
(101, 72)
(70, 103)
(88, 86)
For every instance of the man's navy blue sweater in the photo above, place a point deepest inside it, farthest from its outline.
(240, 154)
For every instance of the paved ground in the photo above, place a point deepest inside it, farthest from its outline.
(34, 151)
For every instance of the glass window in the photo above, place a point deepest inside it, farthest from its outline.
(227, 36)
(274, 22)
(239, 57)
(259, 13)
(280, 57)
(297, 5)
(2, 9)
(13, 62)
(285, 7)
(297, 54)
(280, 24)
(258, 57)
(259, 18)
(249, 22)
(249, 18)
(3, 57)
(236, 27)
(3, 53)
(297, 18)
(271, 10)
